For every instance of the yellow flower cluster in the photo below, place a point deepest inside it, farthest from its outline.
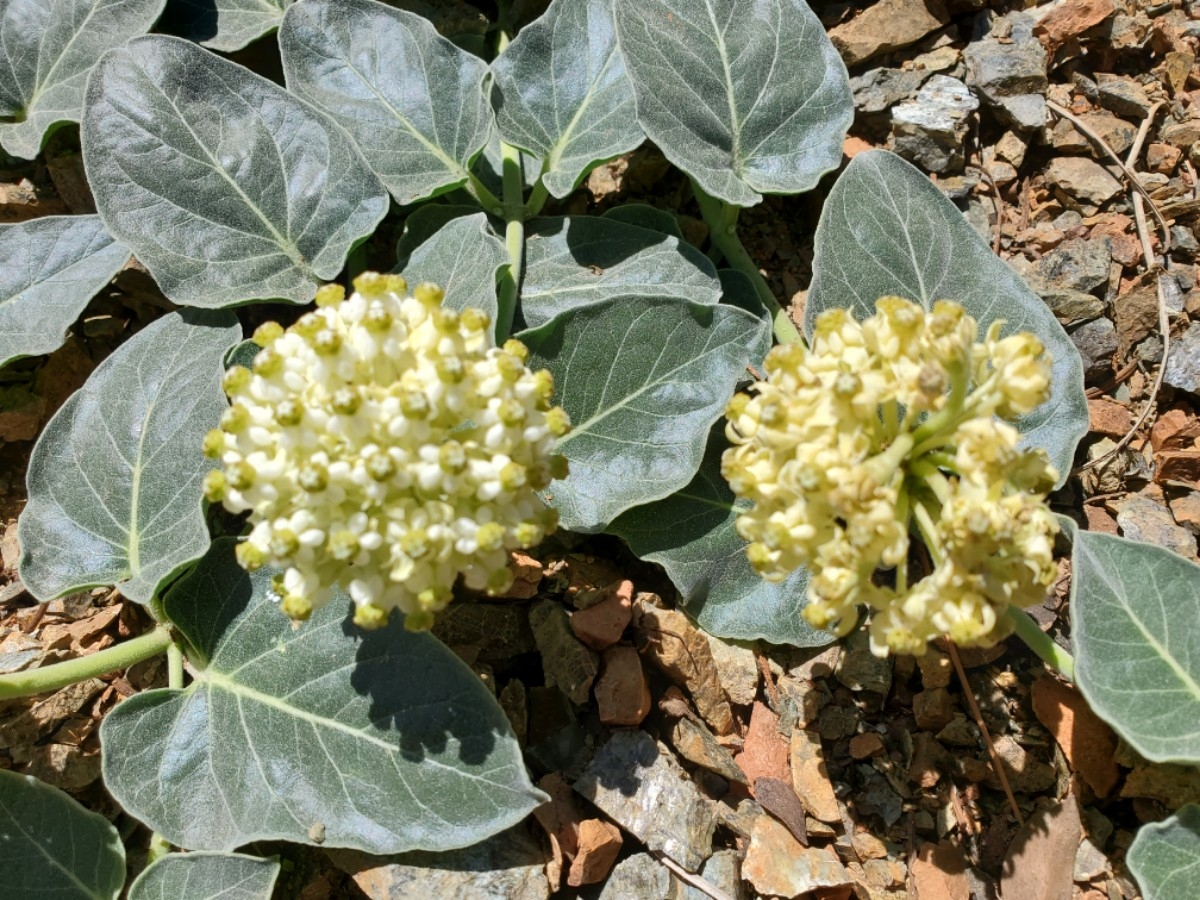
(883, 427)
(384, 443)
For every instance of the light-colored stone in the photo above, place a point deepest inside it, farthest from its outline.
(1082, 179)
(885, 26)
(810, 777)
(681, 651)
(636, 781)
(737, 669)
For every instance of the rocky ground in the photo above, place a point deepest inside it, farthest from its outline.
(829, 771)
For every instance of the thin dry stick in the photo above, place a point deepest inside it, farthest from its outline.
(1164, 321)
(764, 667)
(983, 730)
(997, 204)
(700, 884)
(1133, 180)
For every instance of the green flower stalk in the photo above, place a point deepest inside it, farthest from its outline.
(888, 426)
(385, 444)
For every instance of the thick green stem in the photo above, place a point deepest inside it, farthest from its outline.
(1041, 643)
(159, 845)
(537, 199)
(722, 231)
(59, 675)
(514, 241)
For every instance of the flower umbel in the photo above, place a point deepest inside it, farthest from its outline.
(888, 426)
(384, 443)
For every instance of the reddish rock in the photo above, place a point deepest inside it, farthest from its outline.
(1071, 19)
(853, 146)
(1174, 430)
(885, 26)
(622, 692)
(1098, 519)
(1178, 466)
(527, 576)
(764, 751)
(1162, 158)
(1086, 741)
(810, 777)
(599, 844)
(934, 709)
(1108, 418)
(602, 624)
(864, 746)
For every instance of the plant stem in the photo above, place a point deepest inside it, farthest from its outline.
(537, 199)
(514, 240)
(1041, 643)
(489, 201)
(159, 845)
(59, 675)
(722, 231)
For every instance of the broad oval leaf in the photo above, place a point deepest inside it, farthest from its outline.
(206, 876)
(47, 49)
(642, 380)
(1134, 609)
(224, 185)
(691, 535)
(53, 848)
(886, 229)
(414, 102)
(224, 25)
(745, 96)
(1165, 856)
(573, 261)
(114, 479)
(423, 223)
(382, 741)
(462, 258)
(49, 269)
(561, 92)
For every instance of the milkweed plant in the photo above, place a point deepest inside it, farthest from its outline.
(885, 464)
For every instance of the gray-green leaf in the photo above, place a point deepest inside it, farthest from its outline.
(1165, 856)
(383, 741)
(224, 25)
(573, 261)
(53, 848)
(691, 535)
(746, 96)
(423, 223)
(114, 479)
(47, 49)
(206, 876)
(49, 269)
(222, 183)
(413, 101)
(561, 92)
(886, 229)
(642, 380)
(1134, 609)
(463, 259)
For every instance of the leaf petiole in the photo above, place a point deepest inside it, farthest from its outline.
(721, 218)
(59, 675)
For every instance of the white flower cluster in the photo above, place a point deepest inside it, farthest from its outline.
(385, 444)
(883, 427)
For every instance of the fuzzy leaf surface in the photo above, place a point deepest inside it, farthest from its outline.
(887, 230)
(1165, 856)
(573, 261)
(47, 49)
(206, 876)
(748, 97)
(114, 479)
(53, 848)
(462, 258)
(223, 184)
(691, 535)
(382, 741)
(561, 92)
(224, 25)
(49, 269)
(1134, 608)
(642, 380)
(413, 101)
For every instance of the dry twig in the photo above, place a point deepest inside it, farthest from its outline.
(983, 730)
(700, 884)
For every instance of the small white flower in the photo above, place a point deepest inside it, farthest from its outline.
(384, 444)
(882, 427)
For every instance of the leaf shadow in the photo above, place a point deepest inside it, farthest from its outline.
(196, 20)
(422, 692)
